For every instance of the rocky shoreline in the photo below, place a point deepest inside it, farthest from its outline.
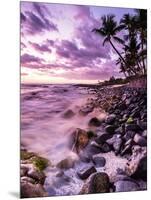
(122, 134)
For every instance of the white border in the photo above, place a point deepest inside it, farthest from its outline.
(9, 99)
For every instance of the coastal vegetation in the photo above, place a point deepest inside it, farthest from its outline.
(128, 38)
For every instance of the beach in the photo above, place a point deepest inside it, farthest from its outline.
(53, 115)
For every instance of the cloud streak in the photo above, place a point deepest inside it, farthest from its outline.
(41, 48)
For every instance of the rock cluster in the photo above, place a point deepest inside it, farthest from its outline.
(124, 132)
(32, 177)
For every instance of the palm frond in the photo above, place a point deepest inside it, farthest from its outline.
(119, 40)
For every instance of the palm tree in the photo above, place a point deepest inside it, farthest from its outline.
(109, 31)
(122, 66)
(129, 23)
(132, 52)
(141, 20)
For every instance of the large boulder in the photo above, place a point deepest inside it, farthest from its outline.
(79, 140)
(96, 183)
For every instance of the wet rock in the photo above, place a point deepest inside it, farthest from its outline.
(142, 124)
(135, 114)
(79, 140)
(60, 174)
(128, 102)
(140, 140)
(129, 135)
(111, 119)
(117, 145)
(120, 130)
(110, 129)
(105, 148)
(85, 110)
(85, 157)
(126, 186)
(103, 137)
(68, 114)
(27, 179)
(132, 127)
(85, 172)
(94, 122)
(137, 165)
(96, 183)
(143, 185)
(66, 163)
(127, 148)
(37, 175)
(122, 106)
(23, 171)
(51, 191)
(144, 134)
(92, 149)
(91, 134)
(99, 161)
(113, 139)
(29, 190)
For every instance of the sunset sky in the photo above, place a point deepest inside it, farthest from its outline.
(58, 46)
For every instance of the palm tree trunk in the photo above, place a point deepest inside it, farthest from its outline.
(120, 56)
(117, 51)
(142, 47)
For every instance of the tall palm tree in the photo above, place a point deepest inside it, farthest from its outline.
(109, 31)
(129, 23)
(132, 52)
(122, 66)
(141, 19)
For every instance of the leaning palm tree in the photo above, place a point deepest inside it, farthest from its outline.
(109, 30)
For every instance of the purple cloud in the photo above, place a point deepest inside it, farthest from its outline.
(29, 59)
(35, 22)
(50, 42)
(41, 48)
(79, 57)
(22, 18)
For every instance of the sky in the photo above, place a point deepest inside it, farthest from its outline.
(58, 45)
